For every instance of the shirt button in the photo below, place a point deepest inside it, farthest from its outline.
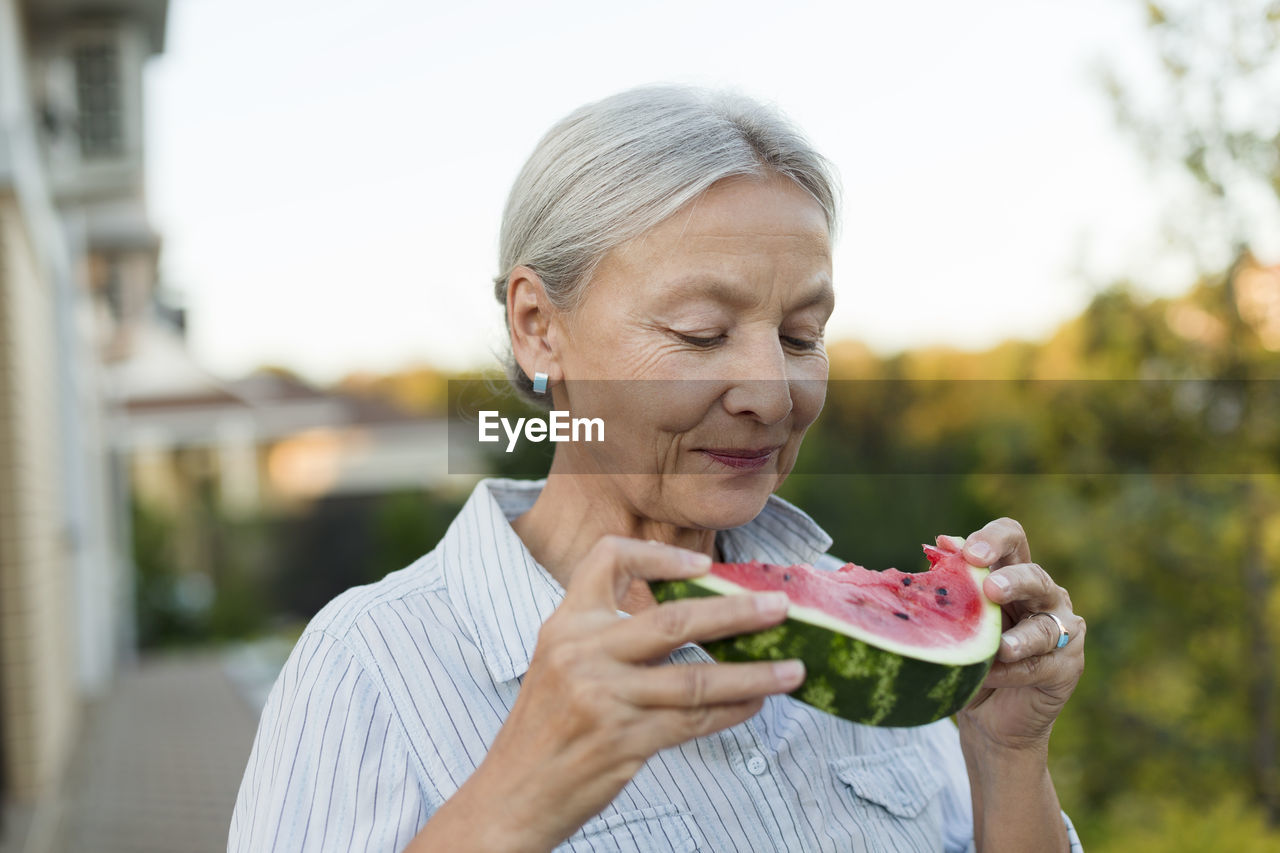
(756, 764)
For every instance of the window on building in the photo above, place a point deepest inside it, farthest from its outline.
(101, 118)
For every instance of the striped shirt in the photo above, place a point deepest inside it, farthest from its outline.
(395, 691)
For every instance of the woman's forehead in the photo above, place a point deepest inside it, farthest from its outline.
(735, 216)
(728, 244)
(740, 208)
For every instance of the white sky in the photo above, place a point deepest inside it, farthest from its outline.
(329, 175)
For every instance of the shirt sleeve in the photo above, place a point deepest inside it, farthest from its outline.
(942, 741)
(330, 767)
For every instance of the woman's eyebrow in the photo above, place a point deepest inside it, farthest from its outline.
(821, 293)
(738, 294)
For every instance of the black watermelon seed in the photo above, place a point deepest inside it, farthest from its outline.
(906, 581)
(786, 577)
(902, 615)
(942, 590)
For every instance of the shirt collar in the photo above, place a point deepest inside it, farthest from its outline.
(502, 595)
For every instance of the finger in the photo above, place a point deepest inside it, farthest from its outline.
(605, 573)
(671, 726)
(1055, 671)
(655, 632)
(1025, 584)
(1039, 636)
(999, 543)
(695, 684)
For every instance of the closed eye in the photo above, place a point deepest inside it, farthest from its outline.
(704, 343)
(800, 343)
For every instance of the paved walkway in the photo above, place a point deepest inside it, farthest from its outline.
(159, 761)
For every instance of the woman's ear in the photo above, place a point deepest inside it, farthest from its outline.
(532, 320)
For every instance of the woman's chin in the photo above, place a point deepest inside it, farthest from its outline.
(718, 504)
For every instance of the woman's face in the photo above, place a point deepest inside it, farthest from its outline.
(709, 332)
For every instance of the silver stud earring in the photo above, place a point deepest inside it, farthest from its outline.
(539, 383)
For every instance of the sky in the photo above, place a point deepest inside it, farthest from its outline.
(328, 176)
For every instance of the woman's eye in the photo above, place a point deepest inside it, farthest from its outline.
(800, 343)
(700, 342)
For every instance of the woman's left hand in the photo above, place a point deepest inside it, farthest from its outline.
(1031, 678)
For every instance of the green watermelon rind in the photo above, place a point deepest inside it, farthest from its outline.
(855, 676)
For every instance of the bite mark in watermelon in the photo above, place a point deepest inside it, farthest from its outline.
(885, 648)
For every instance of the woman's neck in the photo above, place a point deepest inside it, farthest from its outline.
(571, 514)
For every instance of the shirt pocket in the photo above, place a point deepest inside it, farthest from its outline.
(657, 828)
(900, 781)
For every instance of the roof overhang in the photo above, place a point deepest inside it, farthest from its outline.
(152, 14)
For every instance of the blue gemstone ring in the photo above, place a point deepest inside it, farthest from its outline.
(1063, 636)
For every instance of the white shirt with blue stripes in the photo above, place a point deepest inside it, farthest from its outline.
(395, 691)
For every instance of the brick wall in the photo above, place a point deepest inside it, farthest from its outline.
(38, 704)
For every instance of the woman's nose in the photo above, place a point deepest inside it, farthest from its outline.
(763, 389)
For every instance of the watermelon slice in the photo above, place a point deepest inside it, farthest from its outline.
(883, 648)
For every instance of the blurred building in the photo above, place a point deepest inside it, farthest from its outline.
(78, 273)
(266, 444)
(198, 449)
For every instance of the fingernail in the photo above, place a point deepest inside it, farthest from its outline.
(788, 671)
(1012, 644)
(772, 603)
(699, 562)
(980, 550)
(1001, 582)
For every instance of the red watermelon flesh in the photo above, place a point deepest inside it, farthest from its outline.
(884, 648)
(938, 607)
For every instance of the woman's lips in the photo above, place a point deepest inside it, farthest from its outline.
(752, 459)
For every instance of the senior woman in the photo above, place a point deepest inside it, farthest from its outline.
(518, 688)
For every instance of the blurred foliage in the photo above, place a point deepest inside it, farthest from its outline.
(346, 541)
(1168, 825)
(421, 390)
(268, 572)
(407, 525)
(161, 617)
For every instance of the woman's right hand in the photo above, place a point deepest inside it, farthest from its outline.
(593, 708)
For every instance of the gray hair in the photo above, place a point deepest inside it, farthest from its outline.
(613, 169)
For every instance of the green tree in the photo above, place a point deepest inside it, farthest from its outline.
(1212, 115)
